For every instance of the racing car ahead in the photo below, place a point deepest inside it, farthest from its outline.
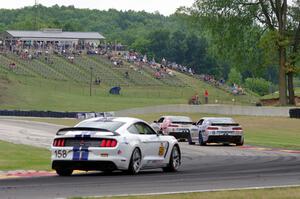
(218, 130)
(181, 127)
(116, 143)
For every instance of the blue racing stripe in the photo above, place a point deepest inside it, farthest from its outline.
(85, 153)
(76, 153)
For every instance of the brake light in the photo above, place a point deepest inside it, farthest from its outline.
(210, 128)
(59, 142)
(173, 125)
(108, 143)
(103, 143)
(113, 143)
(237, 129)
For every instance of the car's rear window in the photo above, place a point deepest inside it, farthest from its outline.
(222, 120)
(180, 119)
(108, 125)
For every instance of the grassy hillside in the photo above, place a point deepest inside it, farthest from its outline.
(64, 86)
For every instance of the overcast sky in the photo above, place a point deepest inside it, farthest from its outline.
(165, 7)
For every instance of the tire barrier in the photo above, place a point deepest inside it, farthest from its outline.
(115, 90)
(295, 113)
(55, 114)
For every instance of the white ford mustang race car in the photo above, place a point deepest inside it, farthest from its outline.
(116, 143)
(218, 130)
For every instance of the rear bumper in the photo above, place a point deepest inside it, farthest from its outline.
(224, 138)
(180, 135)
(84, 165)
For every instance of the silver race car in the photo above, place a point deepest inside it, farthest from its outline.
(115, 143)
(181, 127)
(218, 130)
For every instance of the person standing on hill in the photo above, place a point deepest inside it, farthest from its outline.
(206, 96)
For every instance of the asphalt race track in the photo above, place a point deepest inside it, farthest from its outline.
(203, 168)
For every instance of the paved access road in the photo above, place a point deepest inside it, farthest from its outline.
(203, 168)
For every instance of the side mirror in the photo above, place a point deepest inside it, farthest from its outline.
(154, 121)
(195, 123)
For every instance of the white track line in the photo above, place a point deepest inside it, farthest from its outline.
(195, 191)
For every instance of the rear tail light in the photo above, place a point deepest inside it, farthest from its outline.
(59, 142)
(173, 125)
(210, 128)
(113, 143)
(108, 143)
(237, 129)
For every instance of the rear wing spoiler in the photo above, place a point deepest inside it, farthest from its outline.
(225, 124)
(59, 132)
(183, 122)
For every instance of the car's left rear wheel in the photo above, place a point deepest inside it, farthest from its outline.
(241, 142)
(175, 160)
(135, 162)
(64, 172)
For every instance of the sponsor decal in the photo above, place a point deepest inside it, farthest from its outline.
(161, 150)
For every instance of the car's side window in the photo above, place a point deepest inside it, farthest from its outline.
(207, 122)
(148, 129)
(200, 122)
(132, 129)
(143, 129)
(160, 120)
(140, 128)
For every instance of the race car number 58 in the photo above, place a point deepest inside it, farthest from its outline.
(60, 153)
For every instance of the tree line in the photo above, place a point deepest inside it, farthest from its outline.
(263, 33)
(211, 37)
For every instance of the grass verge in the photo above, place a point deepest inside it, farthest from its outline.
(17, 156)
(273, 193)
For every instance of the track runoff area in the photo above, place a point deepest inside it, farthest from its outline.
(204, 168)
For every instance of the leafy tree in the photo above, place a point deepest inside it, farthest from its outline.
(258, 85)
(230, 17)
(234, 77)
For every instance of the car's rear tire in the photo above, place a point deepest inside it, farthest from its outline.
(175, 160)
(135, 162)
(241, 143)
(201, 142)
(64, 172)
(190, 140)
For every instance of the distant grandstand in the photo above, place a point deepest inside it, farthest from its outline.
(11, 37)
(73, 56)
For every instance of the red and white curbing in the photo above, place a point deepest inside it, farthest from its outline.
(30, 173)
(25, 173)
(270, 149)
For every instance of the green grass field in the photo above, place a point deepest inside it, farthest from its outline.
(17, 156)
(276, 193)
